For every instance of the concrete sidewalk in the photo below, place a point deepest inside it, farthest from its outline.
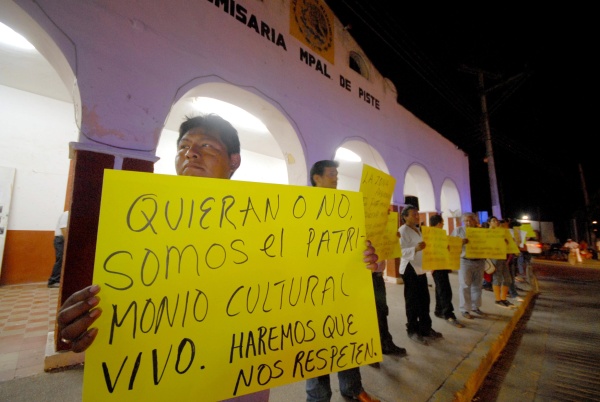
(450, 369)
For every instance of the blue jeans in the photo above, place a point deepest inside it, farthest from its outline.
(318, 389)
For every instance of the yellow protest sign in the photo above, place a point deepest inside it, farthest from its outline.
(528, 229)
(390, 243)
(485, 243)
(511, 247)
(213, 288)
(435, 254)
(454, 250)
(377, 188)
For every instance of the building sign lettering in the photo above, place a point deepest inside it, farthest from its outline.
(240, 13)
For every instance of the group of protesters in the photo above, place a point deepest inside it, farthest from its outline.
(502, 281)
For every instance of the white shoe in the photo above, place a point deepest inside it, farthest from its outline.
(517, 299)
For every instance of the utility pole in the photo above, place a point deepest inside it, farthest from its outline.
(586, 200)
(485, 125)
(485, 122)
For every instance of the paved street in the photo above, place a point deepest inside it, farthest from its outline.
(554, 352)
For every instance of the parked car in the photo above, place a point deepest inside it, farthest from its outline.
(533, 247)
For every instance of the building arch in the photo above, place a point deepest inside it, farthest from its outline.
(418, 183)
(272, 153)
(56, 62)
(450, 205)
(350, 169)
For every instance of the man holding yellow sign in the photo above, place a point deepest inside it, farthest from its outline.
(324, 174)
(470, 274)
(208, 147)
(416, 292)
(443, 291)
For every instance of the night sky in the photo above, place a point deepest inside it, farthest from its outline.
(540, 74)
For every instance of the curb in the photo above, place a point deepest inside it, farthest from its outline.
(486, 354)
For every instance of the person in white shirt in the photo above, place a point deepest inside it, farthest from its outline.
(416, 291)
(571, 244)
(573, 248)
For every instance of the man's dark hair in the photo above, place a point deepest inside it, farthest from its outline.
(216, 126)
(435, 219)
(319, 168)
(406, 210)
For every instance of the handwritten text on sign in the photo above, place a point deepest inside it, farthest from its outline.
(486, 243)
(377, 188)
(221, 288)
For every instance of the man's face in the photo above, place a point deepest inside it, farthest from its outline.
(329, 178)
(202, 155)
(470, 222)
(412, 217)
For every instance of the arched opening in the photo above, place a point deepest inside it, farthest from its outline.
(450, 204)
(352, 155)
(271, 149)
(418, 184)
(357, 63)
(40, 116)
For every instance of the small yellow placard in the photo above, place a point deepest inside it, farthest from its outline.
(435, 254)
(214, 288)
(511, 247)
(454, 250)
(391, 240)
(486, 243)
(528, 229)
(377, 188)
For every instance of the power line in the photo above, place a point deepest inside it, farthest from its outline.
(383, 26)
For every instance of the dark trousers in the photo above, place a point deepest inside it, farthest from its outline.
(382, 308)
(512, 262)
(59, 244)
(416, 300)
(443, 294)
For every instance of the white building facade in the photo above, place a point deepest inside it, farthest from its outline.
(123, 74)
